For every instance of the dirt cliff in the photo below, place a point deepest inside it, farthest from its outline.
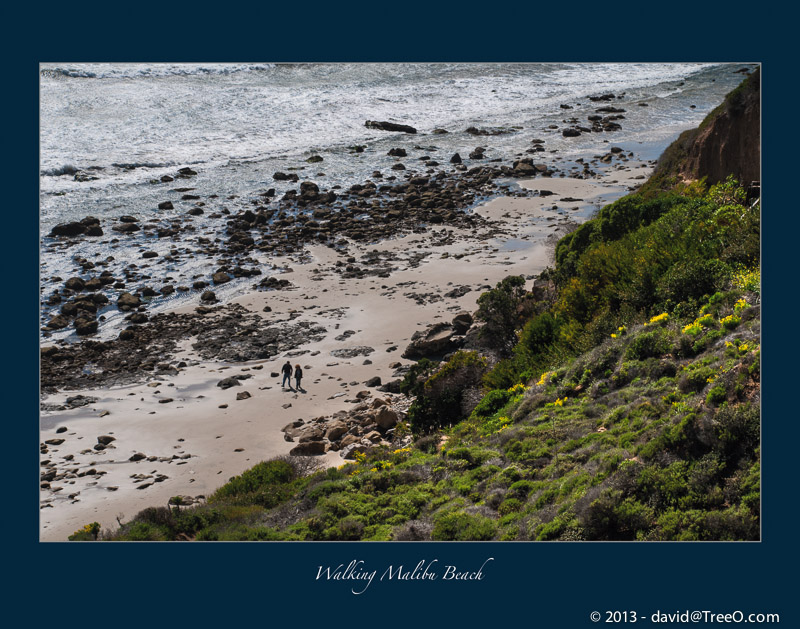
(727, 142)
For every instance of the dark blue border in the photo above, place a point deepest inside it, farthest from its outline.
(537, 585)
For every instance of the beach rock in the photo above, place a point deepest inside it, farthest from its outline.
(227, 383)
(68, 229)
(435, 341)
(165, 205)
(308, 448)
(126, 301)
(105, 439)
(186, 172)
(208, 297)
(524, 168)
(386, 418)
(389, 126)
(397, 152)
(243, 395)
(373, 382)
(279, 176)
(456, 159)
(347, 440)
(336, 430)
(570, 132)
(84, 327)
(125, 228)
(138, 457)
(76, 401)
(75, 283)
(220, 277)
(308, 189)
(461, 323)
(352, 352)
(58, 322)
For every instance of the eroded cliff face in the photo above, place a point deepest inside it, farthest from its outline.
(727, 142)
(730, 143)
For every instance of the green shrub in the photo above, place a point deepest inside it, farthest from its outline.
(502, 311)
(648, 344)
(695, 378)
(439, 402)
(457, 525)
(739, 431)
(491, 403)
(266, 484)
(716, 395)
(510, 505)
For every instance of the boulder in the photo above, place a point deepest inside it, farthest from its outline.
(389, 126)
(461, 323)
(58, 322)
(84, 327)
(309, 188)
(126, 301)
(437, 340)
(336, 430)
(68, 229)
(349, 440)
(308, 448)
(386, 418)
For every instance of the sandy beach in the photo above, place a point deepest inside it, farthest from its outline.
(188, 436)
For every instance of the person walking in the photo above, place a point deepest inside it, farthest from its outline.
(298, 376)
(287, 374)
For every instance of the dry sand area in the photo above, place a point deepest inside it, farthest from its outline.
(205, 435)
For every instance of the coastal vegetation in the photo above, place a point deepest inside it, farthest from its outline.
(620, 404)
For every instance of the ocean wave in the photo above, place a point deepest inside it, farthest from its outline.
(66, 169)
(122, 71)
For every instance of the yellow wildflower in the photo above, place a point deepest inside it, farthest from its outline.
(658, 318)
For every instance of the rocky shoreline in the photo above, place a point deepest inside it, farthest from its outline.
(361, 282)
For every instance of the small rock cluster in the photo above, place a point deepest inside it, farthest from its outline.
(369, 424)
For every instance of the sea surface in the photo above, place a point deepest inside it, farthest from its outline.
(127, 125)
